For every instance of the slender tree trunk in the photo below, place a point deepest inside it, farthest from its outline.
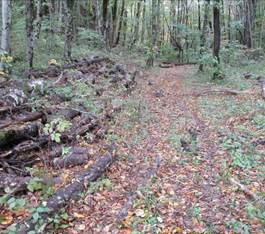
(229, 23)
(106, 31)
(69, 34)
(143, 22)
(248, 23)
(5, 25)
(199, 15)
(96, 15)
(30, 31)
(114, 22)
(154, 25)
(120, 23)
(173, 20)
(217, 29)
(38, 21)
(137, 22)
(125, 27)
(204, 30)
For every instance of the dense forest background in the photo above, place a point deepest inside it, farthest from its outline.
(186, 31)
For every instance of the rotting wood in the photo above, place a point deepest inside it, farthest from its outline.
(248, 192)
(128, 205)
(18, 133)
(31, 117)
(78, 157)
(72, 191)
(13, 183)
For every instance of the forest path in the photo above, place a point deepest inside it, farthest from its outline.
(169, 178)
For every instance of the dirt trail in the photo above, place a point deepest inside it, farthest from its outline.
(186, 194)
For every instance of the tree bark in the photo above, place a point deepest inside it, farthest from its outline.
(204, 30)
(120, 23)
(154, 22)
(96, 15)
(29, 30)
(114, 22)
(248, 23)
(217, 29)
(105, 14)
(5, 25)
(69, 34)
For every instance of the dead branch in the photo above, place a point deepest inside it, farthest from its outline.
(17, 134)
(246, 190)
(31, 117)
(78, 157)
(71, 191)
(128, 205)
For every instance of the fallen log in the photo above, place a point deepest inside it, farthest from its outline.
(54, 70)
(17, 134)
(31, 117)
(247, 191)
(13, 109)
(129, 204)
(26, 147)
(78, 157)
(71, 191)
(224, 91)
(12, 183)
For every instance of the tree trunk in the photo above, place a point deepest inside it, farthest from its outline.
(29, 30)
(199, 15)
(217, 29)
(5, 25)
(120, 23)
(248, 23)
(114, 22)
(204, 30)
(105, 14)
(173, 20)
(96, 15)
(154, 22)
(69, 34)
(137, 22)
(143, 22)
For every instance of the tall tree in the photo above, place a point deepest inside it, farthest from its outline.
(120, 23)
(204, 29)
(29, 31)
(96, 12)
(154, 22)
(5, 25)
(248, 5)
(69, 31)
(217, 29)
(105, 29)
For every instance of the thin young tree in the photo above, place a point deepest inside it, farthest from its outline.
(204, 30)
(69, 31)
(30, 31)
(217, 30)
(5, 25)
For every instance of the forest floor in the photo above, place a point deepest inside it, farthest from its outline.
(190, 160)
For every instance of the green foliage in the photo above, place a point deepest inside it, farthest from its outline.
(55, 128)
(12, 202)
(238, 227)
(38, 184)
(100, 185)
(5, 63)
(259, 121)
(90, 38)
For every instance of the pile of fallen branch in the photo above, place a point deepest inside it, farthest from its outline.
(23, 141)
(21, 127)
